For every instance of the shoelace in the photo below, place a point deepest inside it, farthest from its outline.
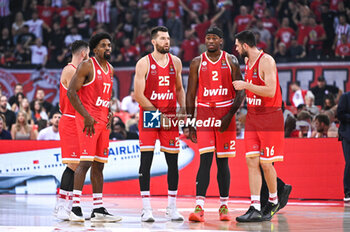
(198, 209)
(223, 210)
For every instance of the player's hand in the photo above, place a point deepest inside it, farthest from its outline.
(193, 134)
(239, 85)
(181, 114)
(89, 123)
(225, 122)
(109, 123)
(165, 122)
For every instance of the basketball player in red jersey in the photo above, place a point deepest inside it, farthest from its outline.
(158, 88)
(264, 131)
(93, 79)
(68, 132)
(212, 74)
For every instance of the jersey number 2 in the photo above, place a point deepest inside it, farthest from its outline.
(215, 75)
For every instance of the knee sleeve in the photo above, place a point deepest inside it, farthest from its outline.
(203, 175)
(145, 169)
(173, 171)
(67, 180)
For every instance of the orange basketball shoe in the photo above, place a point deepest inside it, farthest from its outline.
(197, 215)
(224, 214)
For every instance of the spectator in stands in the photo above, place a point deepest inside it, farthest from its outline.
(115, 105)
(83, 24)
(26, 108)
(329, 101)
(343, 49)
(46, 12)
(4, 133)
(7, 59)
(142, 39)
(175, 27)
(261, 45)
(18, 89)
(303, 28)
(17, 26)
(327, 19)
(39, 53)
(51, 132)
(315, 39)
(296, 51)
(22, 54)
(18, 101)
(310, 103)
(322, 89)
(64, 12)
(119, 132)
(298, 94)
(282, 54)
(265, 35)
(130, 105)
(284, 35)
(39, 113)
(10, 116)
(40, 97)
(189, 47)
(129, 52)
(36, 25)
(270, 23)
(73, 36)
(259, 8)
(342, 28)
(25, 37)
(133, 124)
(127, 27)
(290, 128)
(6, 42)
(21, 130)
(321, 125)
(303, 124)
(56, 41)
(89, 12)
(242, 21)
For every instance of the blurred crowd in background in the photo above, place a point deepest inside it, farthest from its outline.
(39, 32)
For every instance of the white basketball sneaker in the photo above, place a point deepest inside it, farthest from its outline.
(173, 215)
(147, 216)
(102, 215)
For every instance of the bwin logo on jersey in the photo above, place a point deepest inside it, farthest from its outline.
(151, 119)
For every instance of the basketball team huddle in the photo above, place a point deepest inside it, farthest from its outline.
(215, 90)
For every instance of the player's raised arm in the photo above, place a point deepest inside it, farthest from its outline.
(192, 86)
(140, 84)
(268, 71)
(82, 76)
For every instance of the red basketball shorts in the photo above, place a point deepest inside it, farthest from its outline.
(69, 139)
(94, 148)
(264, 136)
(209, 138)
(169, 139)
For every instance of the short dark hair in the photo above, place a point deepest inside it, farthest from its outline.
(247, 37)
(155, 30)
(78, 44)
(323, 118)
(97, 38)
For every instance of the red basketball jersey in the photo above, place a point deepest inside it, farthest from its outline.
(258, 103)
(214, 80)
(96, 94)
(65, 105)
(161, 85)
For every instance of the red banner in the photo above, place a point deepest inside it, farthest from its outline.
(314, 167)
(48, 79)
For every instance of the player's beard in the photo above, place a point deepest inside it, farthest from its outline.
(162, 50)
(106, 56)
(244, 53)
